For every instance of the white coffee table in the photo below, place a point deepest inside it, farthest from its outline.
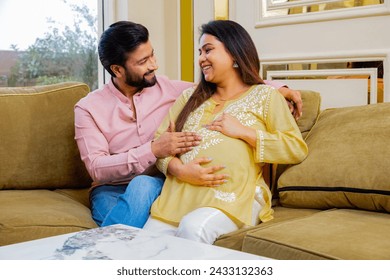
(117, 242)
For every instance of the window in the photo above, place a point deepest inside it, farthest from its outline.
(289, 7)
(48, 42)
(284, 12)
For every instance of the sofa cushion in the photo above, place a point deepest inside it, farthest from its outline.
(80, 195)
(311, 101)
(347, 165)
(32, 214)
(311, 109)
(37, 148)
(234, 240)
(332, 234)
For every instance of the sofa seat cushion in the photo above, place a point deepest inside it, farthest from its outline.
(79, 195)
(234, 240)
(331, 234)
(32, 214)
(347, 164)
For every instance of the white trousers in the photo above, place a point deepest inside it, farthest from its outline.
(201, 225)
(204, 224)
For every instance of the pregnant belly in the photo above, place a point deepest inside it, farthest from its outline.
(236, 155)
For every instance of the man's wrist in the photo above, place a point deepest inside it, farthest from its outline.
(153, 148)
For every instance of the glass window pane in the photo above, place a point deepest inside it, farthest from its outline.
(49, 42)
(274, 8)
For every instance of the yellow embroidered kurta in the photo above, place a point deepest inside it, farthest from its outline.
(278, 141)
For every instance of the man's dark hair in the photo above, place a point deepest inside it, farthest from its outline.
(120, 39)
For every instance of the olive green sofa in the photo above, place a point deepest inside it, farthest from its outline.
(43, 182)
(334, 205)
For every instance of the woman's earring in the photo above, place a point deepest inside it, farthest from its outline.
(235, 65)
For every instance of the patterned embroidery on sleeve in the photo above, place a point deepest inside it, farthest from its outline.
(164, 164)
(261, 137)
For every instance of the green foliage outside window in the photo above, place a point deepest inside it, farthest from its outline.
(66, 54)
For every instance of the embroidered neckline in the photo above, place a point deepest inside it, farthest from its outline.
(245, 93)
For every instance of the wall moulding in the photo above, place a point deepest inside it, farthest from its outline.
(369, 74)
(329, 57)
(372, 68)
(282, 12)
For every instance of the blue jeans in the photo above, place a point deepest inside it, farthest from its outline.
(125, 204)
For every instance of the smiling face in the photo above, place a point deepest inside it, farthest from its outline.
(214, 60)
(140, 67)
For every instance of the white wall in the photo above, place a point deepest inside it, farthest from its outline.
(361, 35)
(203, 13)
(317, 38)
(162, 19)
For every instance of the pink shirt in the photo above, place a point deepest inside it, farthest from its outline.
(113, 144)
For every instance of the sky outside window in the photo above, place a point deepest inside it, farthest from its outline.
(22, 21)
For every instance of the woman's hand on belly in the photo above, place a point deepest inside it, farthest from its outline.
(196, 174)
(230, 126)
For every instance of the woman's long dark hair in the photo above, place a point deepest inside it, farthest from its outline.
(241, 47)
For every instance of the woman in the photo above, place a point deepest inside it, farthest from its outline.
(243, 124)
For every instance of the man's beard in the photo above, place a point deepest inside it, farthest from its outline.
(140, 82)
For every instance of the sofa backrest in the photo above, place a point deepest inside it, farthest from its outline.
(347, 164)
(37, 147)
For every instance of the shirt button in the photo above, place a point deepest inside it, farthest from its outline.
(149, 162)
(139, 126)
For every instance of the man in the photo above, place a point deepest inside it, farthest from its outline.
(115, 126)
